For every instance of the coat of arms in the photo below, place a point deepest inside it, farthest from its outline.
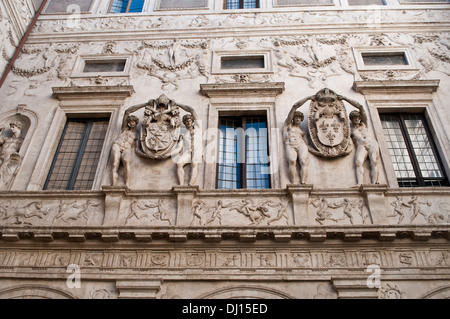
(160, 128)
(329, 126)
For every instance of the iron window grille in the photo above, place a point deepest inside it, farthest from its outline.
(77, 155)
(412, 150)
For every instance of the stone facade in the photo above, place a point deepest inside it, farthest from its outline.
(336, 233)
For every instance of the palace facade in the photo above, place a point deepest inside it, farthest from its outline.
(204, 149)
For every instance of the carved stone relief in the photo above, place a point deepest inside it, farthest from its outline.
(391, 291)
(159, 138)
(148, 212)
(62, 212)
(171, 62)
(414, 210)
(207, 259)
(243, 212)
(329, 126)
(11, 140)
(345, 211)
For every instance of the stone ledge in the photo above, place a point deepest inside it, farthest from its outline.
(89, 92)
(217, 234)
(396, 86)
(226, 89)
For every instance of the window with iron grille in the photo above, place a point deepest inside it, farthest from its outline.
(77, 156)
(124, 6)
(241, 4)
(243, 153)
(412, 150)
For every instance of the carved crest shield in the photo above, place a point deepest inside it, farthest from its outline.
(329, 126)
(160, 129)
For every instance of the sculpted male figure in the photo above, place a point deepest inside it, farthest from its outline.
(295, 142)
(366, 145)
(189, 147)
(11, 145)
(9, 156)
(123, 147)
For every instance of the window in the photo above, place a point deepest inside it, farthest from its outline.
(395, 58)
(78, 153)
(291, 3)
(181, 4)
(384, 58)
(414, 156)
(241, 4)
(243, 62)
(67, 6)
(243, 153)
(124, 6)
(365, 2)
(107, 66)
(103, 66)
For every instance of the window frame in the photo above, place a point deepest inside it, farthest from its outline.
(241, 5)
(242, 146)
(158, 7)
(358, 52)
(240, 99)
(75, 169)
(127, 9)
(420, 180)
(80, 64)
(218, 55)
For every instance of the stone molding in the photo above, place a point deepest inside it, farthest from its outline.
(89, 92)
(247, 89)
(395, 86)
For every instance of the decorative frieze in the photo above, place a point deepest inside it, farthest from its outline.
(221, 259)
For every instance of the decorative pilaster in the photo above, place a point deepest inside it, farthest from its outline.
(114, 195)
(185, 197)
(354, 289)
(300, 200)
(374, 194)
(144, 289)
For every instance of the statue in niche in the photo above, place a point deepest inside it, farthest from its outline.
(295, 142)
(366, 145)
(10, 158)
(329, 127)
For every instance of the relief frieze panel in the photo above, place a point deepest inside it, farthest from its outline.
(244, 258)
(321, 209)
(242, 212)
(239, 19)
(418, 210)
(158, 212)
(62, 212)
(340, 211)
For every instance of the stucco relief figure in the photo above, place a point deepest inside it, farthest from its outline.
(123, 147)
(366, 145)
(295, 142)
(329, 127)
(9, 153)
(189, 147)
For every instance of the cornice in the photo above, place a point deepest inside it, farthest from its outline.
(396, 86)
(225, 234)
